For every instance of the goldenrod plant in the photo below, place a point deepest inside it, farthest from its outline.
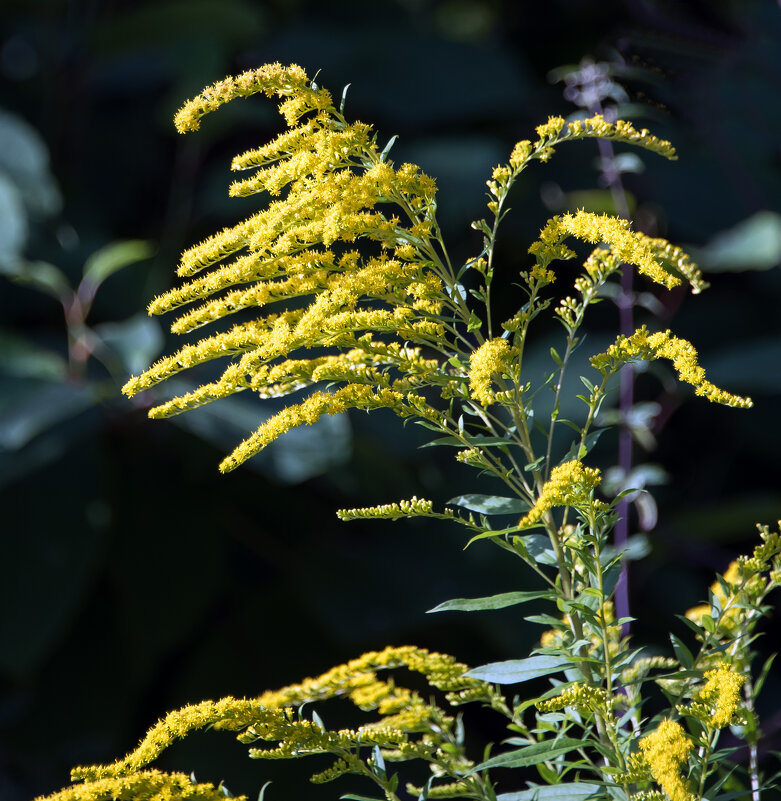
(370, 312)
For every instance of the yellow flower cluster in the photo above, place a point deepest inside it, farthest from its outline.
(229, 713)
(582, 697)
(271, 716)
(620, 131)
(666, 751)
(332, 181)
(570, 484)
(148, 785)
(731, 613)
(448, 790)
(656, 258)
(720, 696)
(493, 357)
(309, 411)
(414, 507)
(557, 130)
(271, 79)
(664, 345)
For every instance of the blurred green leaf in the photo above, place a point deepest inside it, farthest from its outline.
(136, 341)
(40, 275)
(598, 201)
(30, 406)
(20, 357)
(24, 158)
(754, 244)
(490, 504)
(113, 257)
(13, 223)
(301, 454)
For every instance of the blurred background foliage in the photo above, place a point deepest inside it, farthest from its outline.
(134, 578)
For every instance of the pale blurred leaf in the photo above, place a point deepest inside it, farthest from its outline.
(113, 257)
(754, 244)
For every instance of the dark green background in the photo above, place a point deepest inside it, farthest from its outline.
(134, 578)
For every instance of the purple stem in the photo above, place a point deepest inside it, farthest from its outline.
(626, 379)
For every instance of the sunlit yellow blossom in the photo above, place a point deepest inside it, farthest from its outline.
(493, 357)
(271, 79)
(655, 258)
(666, 751)
(330, 182)
(570, 484)
(551, 128)
(579, 696)
(352, 396)
(731, 614)
(664, 345)
(148, 785)
(271, 716)
(414, 507)
(620, 130)
(721, 694)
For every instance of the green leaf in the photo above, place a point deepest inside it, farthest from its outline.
(515, 671)
(555, 356)
(474, 322)
(578, 451)
(753, 244)
(682, 653)
(22, 358)
(424, 791)
(40, 275)
(383, 157)
(531, 755)
(539, 549)
(568, 791)
(490, 534)
(479, 439)
(344, 99)
(532, 466)
(135, 342)
(353, 797)
(112, 258)
(379, 762)
(263, 790)
(499, 601)
(490, 504)
(763, 674)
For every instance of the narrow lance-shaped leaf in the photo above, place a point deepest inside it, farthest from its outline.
(515, 671)
(569, 791)
(499, 601)
(531, 755)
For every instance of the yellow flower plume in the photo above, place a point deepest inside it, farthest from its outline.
(664, 345)
(666, 751)
(570, 484)
(330, 186)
